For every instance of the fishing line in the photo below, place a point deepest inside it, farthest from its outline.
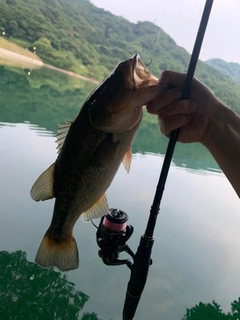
(148, 64)
(94, 224)
(160, 31)
(158, 37)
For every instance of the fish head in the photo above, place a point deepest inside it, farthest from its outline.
(116, 105)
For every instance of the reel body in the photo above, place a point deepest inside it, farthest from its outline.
(112, 235)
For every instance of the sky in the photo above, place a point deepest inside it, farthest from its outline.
(180, 19)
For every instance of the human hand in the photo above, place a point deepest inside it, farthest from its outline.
(195, 116)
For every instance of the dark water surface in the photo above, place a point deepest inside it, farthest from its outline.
(196, 254)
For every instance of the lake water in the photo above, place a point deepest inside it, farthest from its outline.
(196, 253)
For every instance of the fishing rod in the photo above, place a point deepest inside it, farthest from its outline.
(113, 233)
(142, 260)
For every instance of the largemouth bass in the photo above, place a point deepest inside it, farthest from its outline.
(91, 148)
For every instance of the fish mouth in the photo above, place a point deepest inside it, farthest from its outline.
(141, 75)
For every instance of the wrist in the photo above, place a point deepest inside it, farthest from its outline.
(220, 126)
(223, 142)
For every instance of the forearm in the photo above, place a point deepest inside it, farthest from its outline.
(222, 139)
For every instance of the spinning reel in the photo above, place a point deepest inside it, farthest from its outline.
(112, 235)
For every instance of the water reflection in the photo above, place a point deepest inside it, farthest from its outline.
(213, 311)
(196, 251)
(46, 99)
(37, 293)
(31, 292)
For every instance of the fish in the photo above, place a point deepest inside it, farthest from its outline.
(90, 151)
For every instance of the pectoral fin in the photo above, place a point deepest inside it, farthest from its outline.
(127, 159)
(42, 188)
(99, 209)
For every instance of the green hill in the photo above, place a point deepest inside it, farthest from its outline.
(87, 37)
(77, 36)
(231, 69)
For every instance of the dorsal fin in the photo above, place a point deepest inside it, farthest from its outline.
(127, 159)
(62, 132)
(42, 188)
(99, 209)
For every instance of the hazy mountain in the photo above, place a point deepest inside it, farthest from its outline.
(231, 69)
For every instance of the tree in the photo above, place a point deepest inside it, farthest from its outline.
(236, 309)
(30, 292)
(207, 311)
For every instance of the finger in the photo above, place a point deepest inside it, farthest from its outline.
(163, 99)
(169, 124)
(171, 78)
(178, 107)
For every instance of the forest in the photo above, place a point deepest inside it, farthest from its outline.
(75, 35)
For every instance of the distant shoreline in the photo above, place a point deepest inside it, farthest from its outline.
(10, 55)
(71, 74)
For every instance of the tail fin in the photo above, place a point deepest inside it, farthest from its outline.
(62, 254)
